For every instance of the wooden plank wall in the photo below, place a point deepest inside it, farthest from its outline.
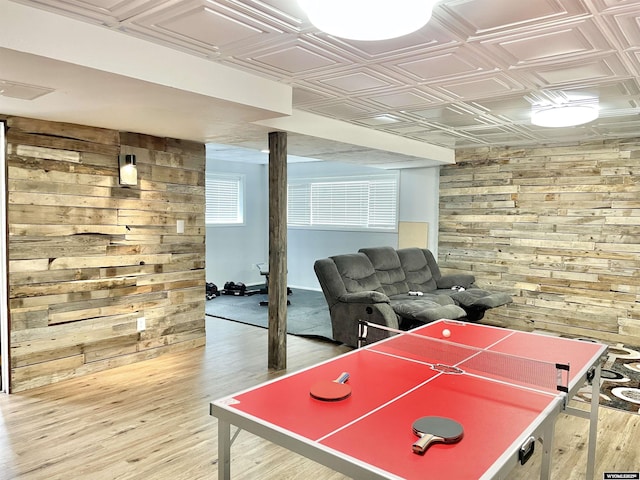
(557, 227)
(88, 257)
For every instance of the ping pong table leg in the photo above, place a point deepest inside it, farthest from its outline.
(547, 448)
(593, 422)
(224, 450)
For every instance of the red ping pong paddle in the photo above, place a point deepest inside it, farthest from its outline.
(435, 430)
(331, 390)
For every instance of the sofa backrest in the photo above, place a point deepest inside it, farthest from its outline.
(417, 266)
(433, 264)
(348, 273)
(388, 269)
(357, 272)
(330, 280)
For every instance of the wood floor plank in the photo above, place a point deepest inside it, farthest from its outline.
(150, 420)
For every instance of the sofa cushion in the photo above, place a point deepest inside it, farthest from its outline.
(439, 298)
(357, 272)
(416, 268)
(388, 269)
(426, 310)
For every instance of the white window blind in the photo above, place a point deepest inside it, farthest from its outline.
(383, 203)
(362, 203)
(299, 204)
(224, 199)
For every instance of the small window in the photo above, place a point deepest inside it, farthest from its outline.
(225, 199)
(362, 203)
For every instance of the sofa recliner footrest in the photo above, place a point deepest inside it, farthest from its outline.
(426, 311)
(476, 301)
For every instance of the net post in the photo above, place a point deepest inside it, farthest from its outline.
(362, 332)
(562, 370)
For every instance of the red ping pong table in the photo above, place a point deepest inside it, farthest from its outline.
(505, 410)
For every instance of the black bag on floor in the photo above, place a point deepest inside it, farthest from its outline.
(231, 288)
(212, 291)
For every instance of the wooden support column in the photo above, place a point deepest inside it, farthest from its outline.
(278, 250)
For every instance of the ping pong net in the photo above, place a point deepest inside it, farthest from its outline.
(448, 357)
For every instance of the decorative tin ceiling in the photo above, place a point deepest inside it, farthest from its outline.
(469, 78)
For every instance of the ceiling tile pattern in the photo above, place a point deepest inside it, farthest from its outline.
(469, 78)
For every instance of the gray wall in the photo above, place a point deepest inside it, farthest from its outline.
(419, 200)
(306, 246)
(232, 252)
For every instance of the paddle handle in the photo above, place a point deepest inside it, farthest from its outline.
(344, 376)
(421, 445)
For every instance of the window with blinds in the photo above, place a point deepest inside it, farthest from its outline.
(224, 199)
(363, 203)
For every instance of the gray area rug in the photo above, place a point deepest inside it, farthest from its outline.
(307, 316)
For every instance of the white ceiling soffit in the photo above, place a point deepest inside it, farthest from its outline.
(469, 78)
(233, 153)
(313, 125)
(98, 98)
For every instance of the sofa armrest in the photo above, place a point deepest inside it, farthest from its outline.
(345, 319)
(367, 297)
(463, 279)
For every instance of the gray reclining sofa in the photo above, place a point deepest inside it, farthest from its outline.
(379, 285)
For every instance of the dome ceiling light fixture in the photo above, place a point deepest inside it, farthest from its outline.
(563, 115)
(368, 19)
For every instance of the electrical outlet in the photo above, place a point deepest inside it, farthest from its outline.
(142, 324)
(180, 226)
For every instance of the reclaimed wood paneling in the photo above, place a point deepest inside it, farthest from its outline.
(557, 227)
(88, 257)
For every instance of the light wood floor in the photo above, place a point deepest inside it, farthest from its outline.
(151, 421)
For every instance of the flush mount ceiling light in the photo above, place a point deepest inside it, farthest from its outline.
(565, 115)
(368, 19)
